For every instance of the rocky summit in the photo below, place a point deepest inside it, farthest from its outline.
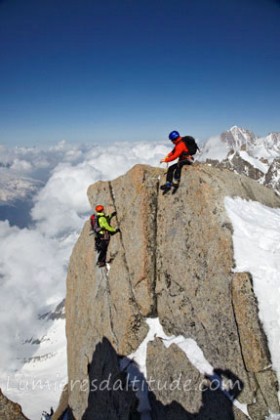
(172, 264)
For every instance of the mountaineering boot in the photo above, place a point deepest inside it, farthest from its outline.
(101, 264)
(175, 186)
(166, 187)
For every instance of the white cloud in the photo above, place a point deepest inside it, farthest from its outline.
(33, 270)
(214, 148)
(60, 203)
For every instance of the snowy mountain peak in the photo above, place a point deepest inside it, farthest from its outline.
(237, 138)
(230, 141)
(235, 130)
(273, 141)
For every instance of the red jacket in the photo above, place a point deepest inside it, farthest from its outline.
(180, 151)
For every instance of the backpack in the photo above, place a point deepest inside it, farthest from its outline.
(94, 224)
(191, 144)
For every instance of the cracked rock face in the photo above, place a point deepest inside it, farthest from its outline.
(173, 260)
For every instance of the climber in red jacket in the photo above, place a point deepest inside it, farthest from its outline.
(180, 151)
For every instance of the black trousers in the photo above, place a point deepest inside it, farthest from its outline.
(175, 170)
(101, 246)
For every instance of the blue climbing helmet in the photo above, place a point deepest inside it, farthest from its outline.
(173, 135)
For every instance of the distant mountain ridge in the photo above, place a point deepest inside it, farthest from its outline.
(241, 151)
(240, 139)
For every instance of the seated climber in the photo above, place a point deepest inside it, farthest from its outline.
(103, 231)
(184, 148)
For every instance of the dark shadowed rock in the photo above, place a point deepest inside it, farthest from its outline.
(109, 394)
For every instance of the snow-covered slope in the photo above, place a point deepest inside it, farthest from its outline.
(38, 377)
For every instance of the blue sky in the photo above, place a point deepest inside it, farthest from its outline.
(110, 70)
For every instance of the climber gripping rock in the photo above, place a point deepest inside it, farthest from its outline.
(184, 149)
(100, 224)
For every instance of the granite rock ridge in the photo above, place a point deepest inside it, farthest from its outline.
(174, 261)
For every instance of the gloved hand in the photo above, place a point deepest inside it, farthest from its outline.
(162, 160)
(114, 214)
(116, 231)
